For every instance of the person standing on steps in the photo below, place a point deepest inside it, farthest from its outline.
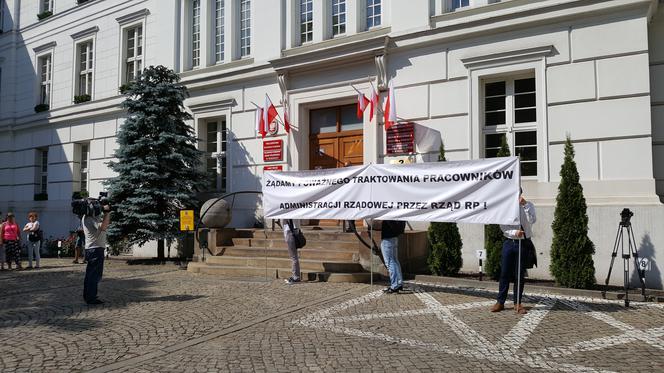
(510, 256)
(389, 245)
(290, 227)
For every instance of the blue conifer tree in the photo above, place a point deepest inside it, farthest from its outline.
(158, 166)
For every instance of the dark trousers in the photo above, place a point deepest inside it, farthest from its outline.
(93, 272)
(509, 268)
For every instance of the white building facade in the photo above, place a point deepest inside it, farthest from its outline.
(466, 72)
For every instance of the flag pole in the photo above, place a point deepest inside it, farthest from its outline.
(356, 90)
(268, 97)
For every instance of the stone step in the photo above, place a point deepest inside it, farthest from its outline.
(304, 253)
(313, 235)
(311, 243)
(284, 263)
(274, 273)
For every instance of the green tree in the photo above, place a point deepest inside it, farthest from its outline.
(158, 165)
(493, 235)
(445, 255)
(571, 250)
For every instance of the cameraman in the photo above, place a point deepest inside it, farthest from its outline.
(94, 228)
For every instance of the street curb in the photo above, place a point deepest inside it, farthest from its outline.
(657, 295)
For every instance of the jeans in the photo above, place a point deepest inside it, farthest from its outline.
(390, 247)
(292, 253)
(508, 271)
(33, 247)
(93, 272)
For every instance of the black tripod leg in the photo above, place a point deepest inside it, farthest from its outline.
(641, 272)
(613, 257)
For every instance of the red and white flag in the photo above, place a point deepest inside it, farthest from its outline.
(373, 103)
(390, 112)
(260, 126)
(362, 102)
(286, 115)
(269, 112)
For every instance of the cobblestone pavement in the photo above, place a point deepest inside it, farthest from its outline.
(162, 319)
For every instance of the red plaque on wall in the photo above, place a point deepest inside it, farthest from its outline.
(401, 138)
(273, 150)
(273, 168)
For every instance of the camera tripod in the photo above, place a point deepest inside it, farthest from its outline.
(626, 226)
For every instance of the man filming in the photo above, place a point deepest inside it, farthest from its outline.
(94, 227)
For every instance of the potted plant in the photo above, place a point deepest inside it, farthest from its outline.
(82, 98)
(44, 14)
(41, 107)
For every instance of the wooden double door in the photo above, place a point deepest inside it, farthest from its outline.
(341, 144)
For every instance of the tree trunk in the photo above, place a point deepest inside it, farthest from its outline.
(160, 249)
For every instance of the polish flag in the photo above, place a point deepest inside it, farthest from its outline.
(286, 115)
(260, 127)
(373, 103)
(269, 112)
(390, 112)
(362, 102)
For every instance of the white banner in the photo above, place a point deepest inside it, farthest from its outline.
(482, 191)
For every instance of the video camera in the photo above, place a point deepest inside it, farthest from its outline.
(92, 207)
(625, 216)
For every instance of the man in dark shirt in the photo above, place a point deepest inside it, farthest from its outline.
(389, 246)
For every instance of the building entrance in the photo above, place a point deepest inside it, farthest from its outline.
(336, 140)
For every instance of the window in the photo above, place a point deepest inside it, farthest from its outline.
(245, 28)
(219, 8)
(510, 110)
(133, 52)
(43, 171)
(46, 6)
(45, 71)
(335, 119)
(215, 154)
(84, 68)
(195, 33)
(373, 13)
(338, 17)
(85, 159)
(306, 20)
(457, 4)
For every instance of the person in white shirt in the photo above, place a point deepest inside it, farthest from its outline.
(510, 256)
(33, 231)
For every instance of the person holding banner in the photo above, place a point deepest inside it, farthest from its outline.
(510, 256)
(389, 245)
(289, 229)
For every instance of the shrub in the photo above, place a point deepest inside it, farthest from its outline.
(41, 107)
(571, 250)
(44, 14)
(445, 255)
(82, 98)
(493, 235)
(51, 249)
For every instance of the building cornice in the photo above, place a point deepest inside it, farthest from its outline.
(132, 17)
(44, 47)
(87, 32)
(206, 107)
(521, 55)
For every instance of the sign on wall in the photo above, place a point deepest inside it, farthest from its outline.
(273, 150)
(401, 138)
(186, 220)
(273, 168)
(482, 191)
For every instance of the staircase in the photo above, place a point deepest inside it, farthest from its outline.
(330, 255)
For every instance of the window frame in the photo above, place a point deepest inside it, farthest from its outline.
(244, 29)
(90, 66)
(46, 5)
(124, 59)
(219, 31)
(510, 128)
(336, 4)
(220, 154)
(367, 6)
(195, 33)
(42, 171)
(309, 33)
(84, 172)
(48, 82)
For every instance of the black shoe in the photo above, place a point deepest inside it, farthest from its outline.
(95, 302)
(391, 291)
